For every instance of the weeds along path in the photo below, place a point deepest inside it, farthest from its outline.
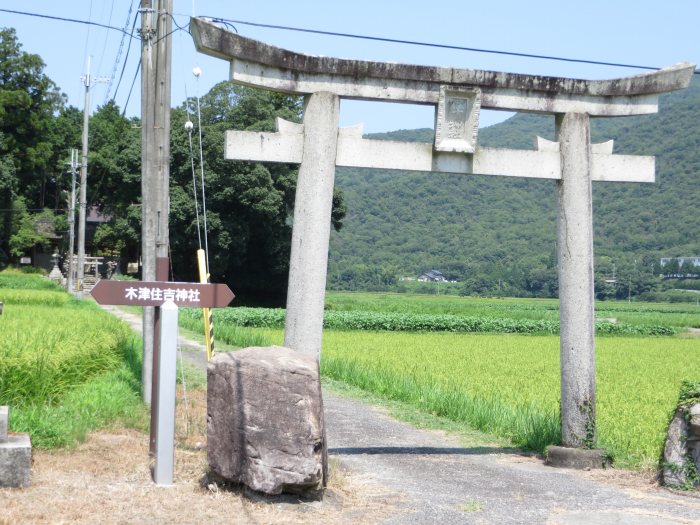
(421, 476)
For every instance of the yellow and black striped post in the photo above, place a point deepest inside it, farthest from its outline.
(206, 312)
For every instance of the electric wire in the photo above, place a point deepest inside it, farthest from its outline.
(87, 36)
(194, 173)
(201, 167)
(431, 44)
(119, 54)
(104, 46)
(126, 58)
(131, 89)
(63, 19)
(229, 23)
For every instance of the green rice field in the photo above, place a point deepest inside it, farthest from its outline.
(508, 384)
(66, 367)
(665, 314)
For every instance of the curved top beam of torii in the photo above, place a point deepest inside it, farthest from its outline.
(258, 64)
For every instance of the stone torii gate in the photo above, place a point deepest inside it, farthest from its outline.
(319, 146)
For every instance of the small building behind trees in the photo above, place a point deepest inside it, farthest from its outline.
(432, 276)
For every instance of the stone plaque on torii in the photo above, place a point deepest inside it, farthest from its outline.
(318, 145)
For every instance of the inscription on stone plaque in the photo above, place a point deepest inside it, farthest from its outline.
(457, 119)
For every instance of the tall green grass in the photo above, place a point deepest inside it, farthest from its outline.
(226, 332)
(110, 398)
(66, 367)
(14, 279)
(33, 296)
(45, 351)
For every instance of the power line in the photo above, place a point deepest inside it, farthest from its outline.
(126, 58)
(119, 53)
(90, 23)
(62, 19)
(87, 36)
(362, 37)
(431, 44)
(133, 82)
(104, 45)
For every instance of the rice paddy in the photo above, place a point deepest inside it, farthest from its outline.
(508, 384)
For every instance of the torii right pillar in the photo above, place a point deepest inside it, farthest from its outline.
(576, 294)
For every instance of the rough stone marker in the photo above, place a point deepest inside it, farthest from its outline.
(15, 455)
(265, 420)
(682, 447)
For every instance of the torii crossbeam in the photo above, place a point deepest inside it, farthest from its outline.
(458, 94)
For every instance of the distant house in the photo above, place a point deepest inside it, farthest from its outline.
(691, 261)
(432, 275)
(680, 267)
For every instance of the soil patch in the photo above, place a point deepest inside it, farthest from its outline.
(107, 479)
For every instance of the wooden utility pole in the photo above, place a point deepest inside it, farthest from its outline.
(71, 221)
(82, 209)
(156, 26)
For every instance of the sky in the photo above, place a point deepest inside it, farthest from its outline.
(636, 32)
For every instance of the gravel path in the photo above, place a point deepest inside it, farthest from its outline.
(427, 477)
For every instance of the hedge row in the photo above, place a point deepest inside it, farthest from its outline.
(410, 322)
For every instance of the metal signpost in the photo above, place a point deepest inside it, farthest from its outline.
(166, 296)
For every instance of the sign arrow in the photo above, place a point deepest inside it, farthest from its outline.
(155, 293)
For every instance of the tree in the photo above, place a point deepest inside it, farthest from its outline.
(64, 133)
(32, 230)
(28, 100)
(114, 168)
(249, 206)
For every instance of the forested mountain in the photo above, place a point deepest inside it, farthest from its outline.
(498, 232)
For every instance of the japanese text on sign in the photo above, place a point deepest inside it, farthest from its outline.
(144, 293)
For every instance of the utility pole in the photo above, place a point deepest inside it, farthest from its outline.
(88, 81)
(147, 259)
(156, 27)
(83, 186)
(71, 220)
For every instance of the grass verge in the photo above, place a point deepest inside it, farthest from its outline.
(66, 367)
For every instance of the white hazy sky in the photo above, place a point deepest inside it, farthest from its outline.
(639, 32)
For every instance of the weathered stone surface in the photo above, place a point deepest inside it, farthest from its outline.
(16, 461)
(576, 297)
(694, 421)
(578, 458)
(693, 440)
(259, 64)
(678, 449)
(4, 416)
(265, 420)
(308, 258)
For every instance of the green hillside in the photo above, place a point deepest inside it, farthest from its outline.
(497, 232)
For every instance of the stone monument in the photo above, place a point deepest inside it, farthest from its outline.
(680, 464)
(15, 455)
(265, 420)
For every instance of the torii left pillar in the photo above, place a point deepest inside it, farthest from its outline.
(308, 263)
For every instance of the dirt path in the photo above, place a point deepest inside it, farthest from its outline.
(382, 471)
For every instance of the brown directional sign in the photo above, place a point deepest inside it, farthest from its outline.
(155, 293)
